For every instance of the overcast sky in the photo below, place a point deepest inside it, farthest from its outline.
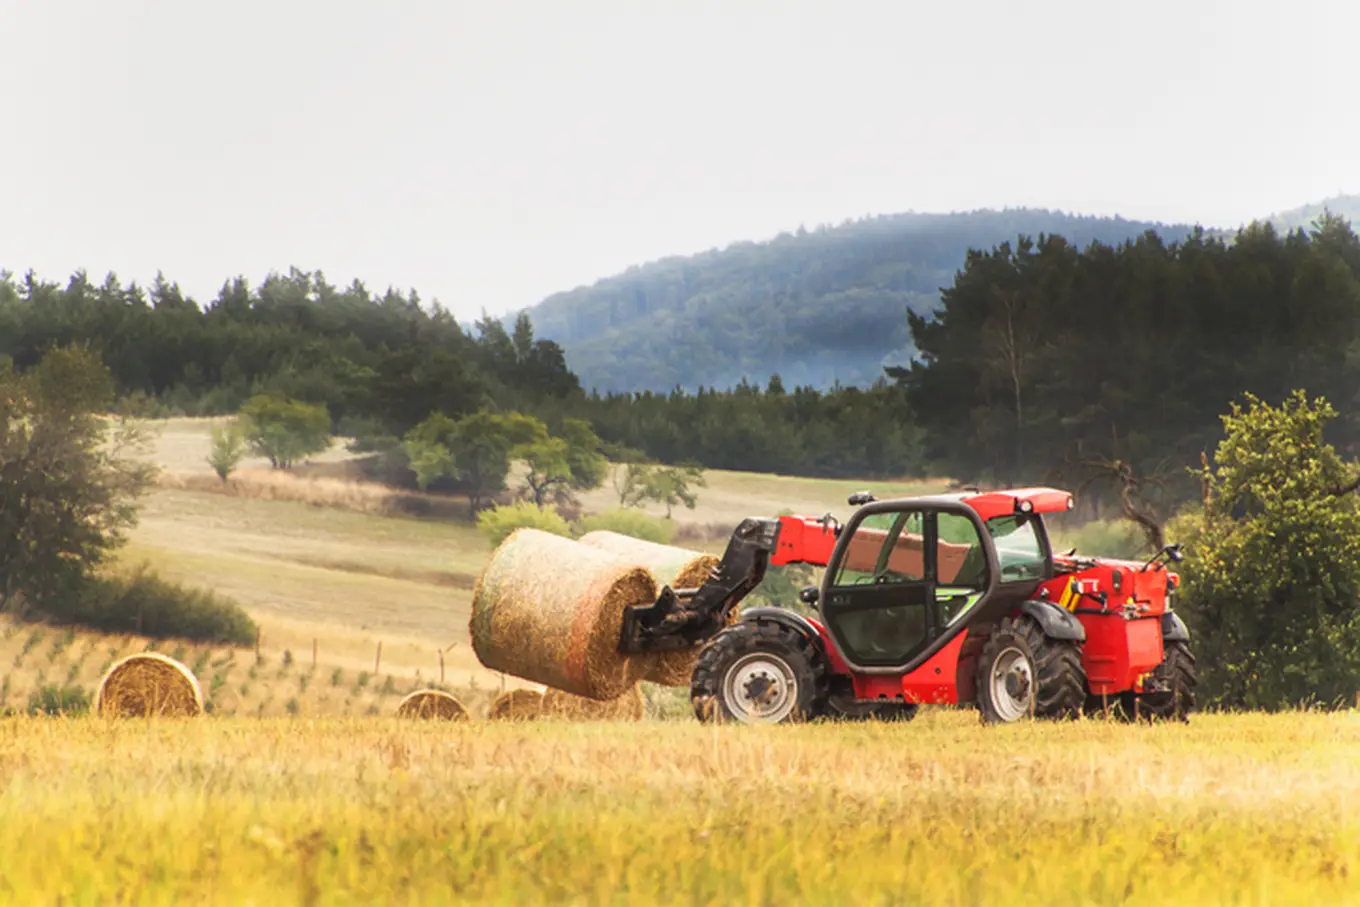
(491, 153)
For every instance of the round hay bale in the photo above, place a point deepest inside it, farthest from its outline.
(430, 704)
(631, 706)
(678, 568)
(550, 609)
(148, 683)
(516, 705)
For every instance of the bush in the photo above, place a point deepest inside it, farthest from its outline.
(627, 522)
(57, 700)
(1271, 578)
(285, 430)
(228, 447)
(145, 603)
(498, 522)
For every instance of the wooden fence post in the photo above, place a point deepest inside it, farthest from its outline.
(377, 659)
(313, 653)
(441, 665)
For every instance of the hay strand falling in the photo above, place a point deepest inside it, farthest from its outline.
(148, 683)
(431, 704)
(631, 706)
(678, 568)
(550, 610)
(516, 705)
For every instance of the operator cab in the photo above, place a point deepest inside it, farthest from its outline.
(907, 575)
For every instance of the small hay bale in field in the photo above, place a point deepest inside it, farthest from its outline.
(550, 609)
(148, 683)
(678, 568)
(516, 705)
(631, 706)
(431, 704)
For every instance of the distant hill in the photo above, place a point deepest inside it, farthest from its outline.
(1347, 206)
(814, 307)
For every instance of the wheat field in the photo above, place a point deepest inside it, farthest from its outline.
(302, 787)
(1239, 810)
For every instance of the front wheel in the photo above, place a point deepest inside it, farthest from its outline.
(758, 672)
(1022, 673)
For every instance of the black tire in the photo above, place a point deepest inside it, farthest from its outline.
(1178, 667)
(1037, 673)
(781, 666)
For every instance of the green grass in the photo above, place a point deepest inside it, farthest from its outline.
(1230, 810)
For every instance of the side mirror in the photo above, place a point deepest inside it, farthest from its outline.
(860, 498)
(809, 595)
(1175, 552)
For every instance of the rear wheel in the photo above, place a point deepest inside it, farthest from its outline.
(758, 672)
(1022, 670)
(1177, 669)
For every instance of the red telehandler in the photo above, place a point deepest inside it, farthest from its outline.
(948, 599)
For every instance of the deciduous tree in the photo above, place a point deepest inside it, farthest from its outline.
(68, 490)
(285, 430)
(1272, 573)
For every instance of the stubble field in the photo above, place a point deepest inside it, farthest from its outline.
(1230, 810)
(331, 800)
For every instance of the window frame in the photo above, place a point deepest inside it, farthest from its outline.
(939, 636)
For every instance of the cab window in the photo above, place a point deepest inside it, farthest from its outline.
(886, 548)
(961, 559)
(1017, 548)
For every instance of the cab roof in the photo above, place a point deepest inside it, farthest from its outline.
(989, 504)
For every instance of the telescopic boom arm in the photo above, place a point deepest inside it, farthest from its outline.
(684, 618)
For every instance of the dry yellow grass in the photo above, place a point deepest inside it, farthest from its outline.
(630, 706)
(277, 485)
(281, 681)
(341, 493)
(1247, 810)
(1241, 810)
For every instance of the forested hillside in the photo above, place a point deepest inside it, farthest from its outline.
(814, 307)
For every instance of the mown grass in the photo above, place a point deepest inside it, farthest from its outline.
(1230, 810)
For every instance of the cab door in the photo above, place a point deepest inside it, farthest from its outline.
(901, 581)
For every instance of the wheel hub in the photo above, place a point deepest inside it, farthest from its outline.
(1012, 683)
(760, 688)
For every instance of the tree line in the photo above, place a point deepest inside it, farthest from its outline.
(1103, 368)
(1107, 368)
(383, 364)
